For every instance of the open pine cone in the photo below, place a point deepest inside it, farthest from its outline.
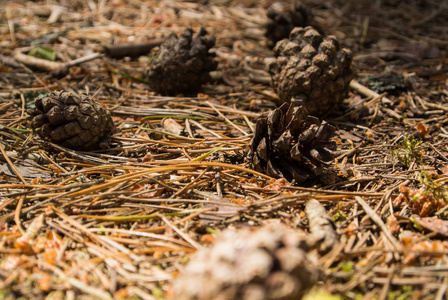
(182, 64)
(283, 17)
(71, 121)
(266, 264)
(291, 144)
(313, 69)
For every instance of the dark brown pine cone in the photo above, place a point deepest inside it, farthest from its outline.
(283, 17)
(71, 121)
(182, 64)
(291, 144)
(266, 264)
(311, 68)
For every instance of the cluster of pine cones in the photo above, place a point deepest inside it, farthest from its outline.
(308, 68)
(311, 74)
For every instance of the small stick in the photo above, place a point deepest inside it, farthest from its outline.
(38, 63)
(392, 113)
(249, 123)
(56, 13)
(377, 220)
(185, 236)
(11, 165)
(131, 50)
(260, 79)
(17, 215)
(226, 119)
(367, 92)
(83, 59)
(10, 25)
(49, 66)
(206, 129)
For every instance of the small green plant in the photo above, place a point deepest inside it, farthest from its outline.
(438, 190)
(339, 215)
(409, 151)
(405, 292)
(347, 267)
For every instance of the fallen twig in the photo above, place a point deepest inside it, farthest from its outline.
(363, 90)
(375, 218)
(131, 50)
(51, 66)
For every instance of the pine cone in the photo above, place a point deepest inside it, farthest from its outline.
(291, 144)
(313, 69)
(182, 64)
(270, 263)
(283, 17)
(71, 121)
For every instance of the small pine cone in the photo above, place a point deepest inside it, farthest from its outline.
(291, 144)
(182, 64)
(266, 264)
(74, 122)
(313, 69)
(283, 17)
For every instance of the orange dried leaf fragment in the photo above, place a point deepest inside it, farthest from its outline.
(392, 224)
(421, 201)
(422, 129)
(53, 245)
(25, 242)
(12, 261)
(277, 184)
(43, 279)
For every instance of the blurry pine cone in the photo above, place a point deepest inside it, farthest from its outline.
(270, 263)
(313, 69)
(283, 17)
(182, 64)
(70, 121)
(291, 144)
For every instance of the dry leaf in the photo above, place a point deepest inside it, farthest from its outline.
(422, 129)
(433, 224)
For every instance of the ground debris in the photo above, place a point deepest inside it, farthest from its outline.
(123, 221)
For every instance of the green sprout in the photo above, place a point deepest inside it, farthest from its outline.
(438, 190)
(44, 53)
(409, 151)
(405, 292)
(339, 216)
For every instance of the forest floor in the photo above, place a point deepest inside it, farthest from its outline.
(122, 222)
